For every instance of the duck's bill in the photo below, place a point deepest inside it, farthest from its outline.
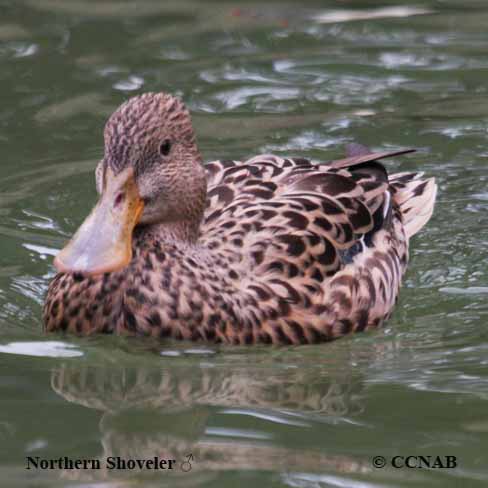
(103, 243)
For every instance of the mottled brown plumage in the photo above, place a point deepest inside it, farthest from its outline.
(270, 250)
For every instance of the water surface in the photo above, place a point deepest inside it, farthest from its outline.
(258, 77)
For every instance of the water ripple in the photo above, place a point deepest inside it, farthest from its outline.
(335, 16)
(46, 349)
(274, 418)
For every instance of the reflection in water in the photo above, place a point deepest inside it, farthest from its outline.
(176, 389)
(170, 413)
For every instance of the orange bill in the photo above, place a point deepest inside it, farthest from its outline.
(103, 243)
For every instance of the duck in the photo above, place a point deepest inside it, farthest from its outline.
(268, 250)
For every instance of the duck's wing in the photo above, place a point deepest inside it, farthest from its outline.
(294, 216)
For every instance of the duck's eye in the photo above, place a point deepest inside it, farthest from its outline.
(165, 147)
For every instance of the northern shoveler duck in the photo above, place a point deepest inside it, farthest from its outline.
(269, 250)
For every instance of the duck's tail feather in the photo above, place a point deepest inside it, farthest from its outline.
(358, 154)
(416, 198)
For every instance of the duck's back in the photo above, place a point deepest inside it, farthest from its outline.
(313, 250)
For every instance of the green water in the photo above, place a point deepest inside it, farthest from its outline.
(290, 78)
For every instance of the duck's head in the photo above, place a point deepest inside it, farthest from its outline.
(151, 174)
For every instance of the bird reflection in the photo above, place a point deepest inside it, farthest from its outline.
(171, 413)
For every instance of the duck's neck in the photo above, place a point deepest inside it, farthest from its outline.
(180, 232)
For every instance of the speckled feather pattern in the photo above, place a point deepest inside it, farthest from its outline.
(281, 259)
